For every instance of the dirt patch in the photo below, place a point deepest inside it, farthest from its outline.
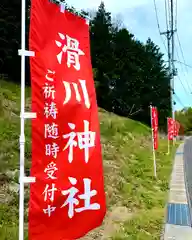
(112, 222)
(116, 216)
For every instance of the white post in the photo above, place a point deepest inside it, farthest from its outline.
(22, 133)
(153, 149)
(168, 144)
(62, 7)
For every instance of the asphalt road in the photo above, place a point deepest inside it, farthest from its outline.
(188, 170)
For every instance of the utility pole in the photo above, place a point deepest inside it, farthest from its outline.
(171, 49)
(172, 58)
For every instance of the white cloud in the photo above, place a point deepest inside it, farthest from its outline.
(112, 5)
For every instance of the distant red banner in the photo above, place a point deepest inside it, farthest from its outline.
(154, 121)
(176, 128)
(68, 198)
(170, 128)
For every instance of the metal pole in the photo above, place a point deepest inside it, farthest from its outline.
(172, 57)
(173, 66)
(22, 134)
(170, 42)
(153, 149)
(170, 69)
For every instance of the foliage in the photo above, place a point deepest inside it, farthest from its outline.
(128, 169)
(184, 117)
(129, 75)
(10, 40)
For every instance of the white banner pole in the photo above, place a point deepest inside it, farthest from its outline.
(22, 133)
(153, 149)
(168, 142)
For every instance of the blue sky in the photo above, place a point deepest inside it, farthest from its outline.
(140, 19)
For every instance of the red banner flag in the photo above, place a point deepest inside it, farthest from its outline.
(154, 121)
(170, 126)
(68, 198)
(176, 128)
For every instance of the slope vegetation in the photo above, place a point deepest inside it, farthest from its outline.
(136, 200)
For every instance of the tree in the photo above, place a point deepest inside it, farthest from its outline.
(156, 81)
(123, 95)
(101, 50)
(184, 117)
(129, 75)
(10, 40)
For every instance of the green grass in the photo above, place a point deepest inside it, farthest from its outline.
(128, 166)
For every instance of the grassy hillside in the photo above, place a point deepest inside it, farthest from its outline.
(136, 200)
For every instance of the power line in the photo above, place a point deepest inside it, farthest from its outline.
(182, 54)
(184, 88)
(158, 25)
(179, 100)
(181, 49)
(183, 85)
(176, 14)
(187, 65)
(167, 7)
(170, 47)
(166, 15)
(189, 87)
(155, 5)
(176, 96)
(171, 29)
